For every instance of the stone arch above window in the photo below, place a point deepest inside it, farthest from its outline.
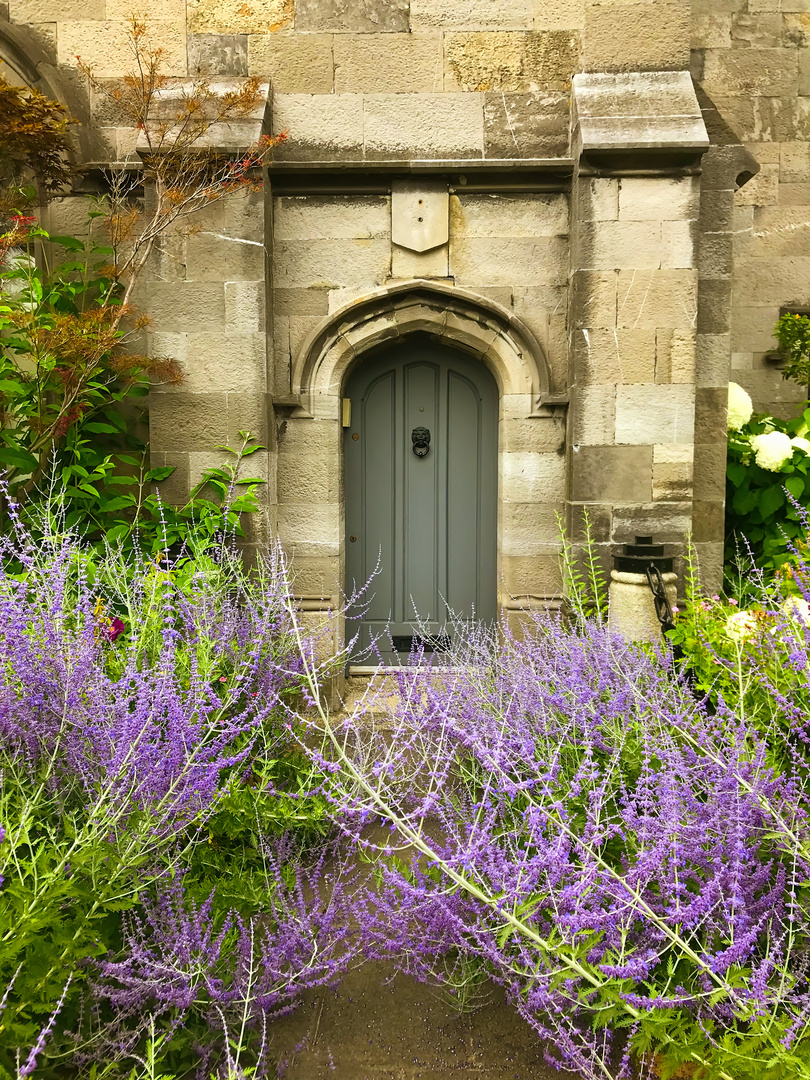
(456, 316)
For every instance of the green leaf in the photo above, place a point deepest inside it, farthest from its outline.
(736, 473)
(19, 459)
(744, 502)
(118, 421)
(117, 502)
(70, 243)
(105, 429)
(795, 486)
(769, 500)
(161, 473)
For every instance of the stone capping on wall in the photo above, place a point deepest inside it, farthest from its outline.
(224, 138)
(460, 317)
(637, 112)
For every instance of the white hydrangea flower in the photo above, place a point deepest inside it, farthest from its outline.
(800, 444)
(741, 625)
(740, 407)
(796, 607)
(772, 450)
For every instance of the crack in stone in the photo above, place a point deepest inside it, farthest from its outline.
(233, 239)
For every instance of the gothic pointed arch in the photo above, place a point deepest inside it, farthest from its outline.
(458, 317)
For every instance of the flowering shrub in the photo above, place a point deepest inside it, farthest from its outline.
(153, 885)
(772, 450)
(627, 859)
(768, 483)
(66, 373)
(70, 331)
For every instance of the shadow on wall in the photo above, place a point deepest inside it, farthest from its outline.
(24, 62)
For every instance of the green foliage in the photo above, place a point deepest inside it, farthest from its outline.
(762, 516)
(793, 334)
(61, 905)
(72, 403)
(584, 580)
(34, 144)
(274, 799)
(74, 860)
(739, 657)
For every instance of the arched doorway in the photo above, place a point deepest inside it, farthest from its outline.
(421, 494)
(310, 463)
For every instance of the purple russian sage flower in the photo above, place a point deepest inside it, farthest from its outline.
(132, 748)
(589, 834)
(141, 729)
(44, 1035)
(182, 961)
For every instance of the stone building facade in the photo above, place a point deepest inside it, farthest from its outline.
(605, 202)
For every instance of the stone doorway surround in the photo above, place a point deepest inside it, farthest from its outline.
(531, 463)
(583, 282)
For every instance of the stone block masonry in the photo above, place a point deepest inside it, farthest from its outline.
(627, 285)
(751, 61)
(634, 305)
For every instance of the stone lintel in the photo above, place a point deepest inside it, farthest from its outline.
(378, 177)
(425, 165)
(637, 112)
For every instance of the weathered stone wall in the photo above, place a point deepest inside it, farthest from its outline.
(616, 248)
(752, 60)
(205, 295)
(386, 83)
(634, 316)
(526, 50)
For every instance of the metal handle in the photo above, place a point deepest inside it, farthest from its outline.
(420, 437)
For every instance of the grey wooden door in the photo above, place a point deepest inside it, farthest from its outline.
(426, 524)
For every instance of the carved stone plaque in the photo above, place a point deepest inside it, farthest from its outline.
(420, 214)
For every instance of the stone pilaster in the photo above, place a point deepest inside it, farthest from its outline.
(634, 305)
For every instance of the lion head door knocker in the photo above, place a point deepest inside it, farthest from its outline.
(420, 437)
